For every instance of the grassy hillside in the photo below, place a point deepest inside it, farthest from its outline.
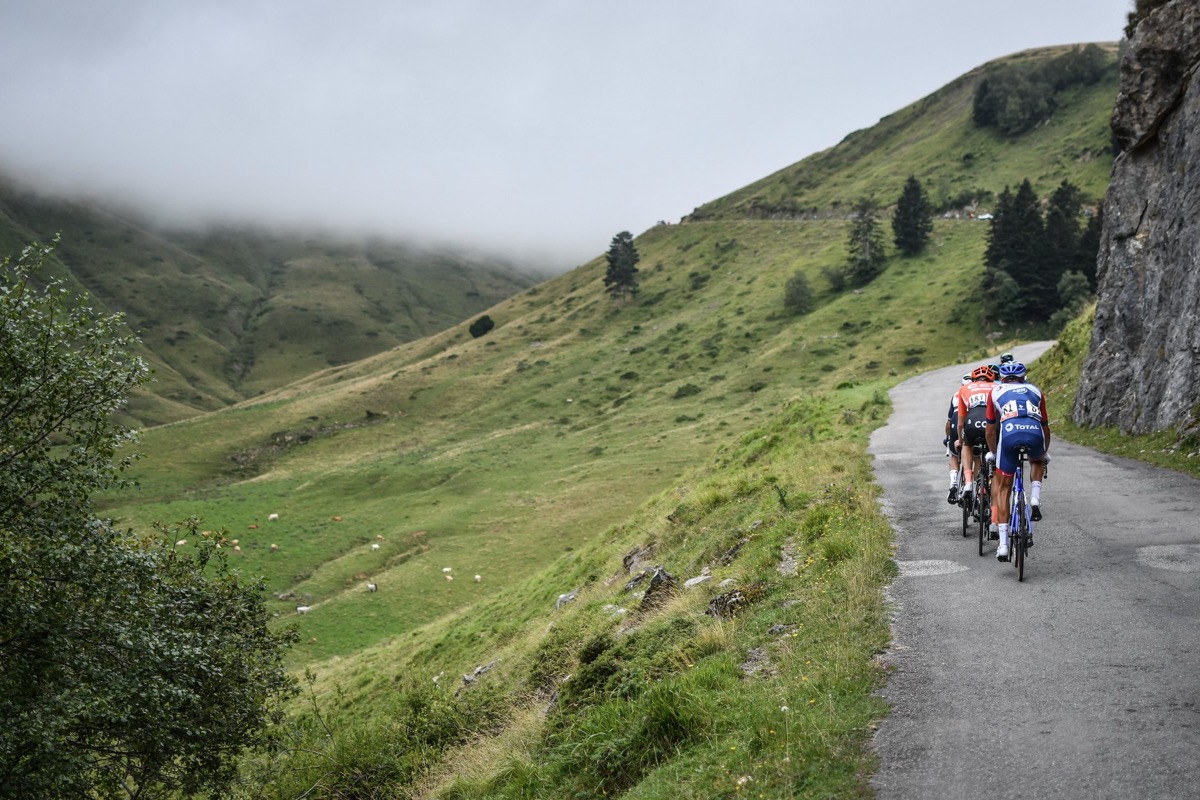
(225, 314)
(698, 427)
(930, 140)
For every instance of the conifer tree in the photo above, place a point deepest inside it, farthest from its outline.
(913, 220)
(1061, 243)
(1015, 247)
(621, 277)
(866, 255)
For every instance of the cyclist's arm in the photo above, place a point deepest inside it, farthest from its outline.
(993, 433)
(1045, 421)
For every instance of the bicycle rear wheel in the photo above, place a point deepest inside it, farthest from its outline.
(1021, 540)
(966, 519)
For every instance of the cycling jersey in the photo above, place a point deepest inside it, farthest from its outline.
(971, 404)
(1019, 412)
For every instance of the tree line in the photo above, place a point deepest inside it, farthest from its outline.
(1014, 98)
(1039, 266)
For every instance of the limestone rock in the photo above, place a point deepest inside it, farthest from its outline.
(1139, 374)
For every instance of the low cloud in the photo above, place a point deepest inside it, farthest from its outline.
(523, 127)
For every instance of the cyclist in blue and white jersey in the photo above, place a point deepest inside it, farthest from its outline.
(1016, 416)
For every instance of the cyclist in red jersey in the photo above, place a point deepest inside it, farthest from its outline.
(971, 405)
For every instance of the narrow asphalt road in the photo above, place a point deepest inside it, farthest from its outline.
(1081, 682)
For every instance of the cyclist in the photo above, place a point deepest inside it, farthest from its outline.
(952, 444)
(1016, 416)
(971, 403)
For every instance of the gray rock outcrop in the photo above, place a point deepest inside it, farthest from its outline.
(1140, 371)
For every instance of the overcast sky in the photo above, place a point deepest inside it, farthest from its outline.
(525, 126)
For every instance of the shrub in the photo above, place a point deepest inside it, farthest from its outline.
(481, 326)
(797, 294)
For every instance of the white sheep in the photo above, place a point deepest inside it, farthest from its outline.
(303, 609)
(272, 517)
(274, 548)
(375, 546)
(371, 587)
(478, 578)
(181, 543)
(445, 569)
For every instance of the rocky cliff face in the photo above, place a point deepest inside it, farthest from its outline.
(1141, 372)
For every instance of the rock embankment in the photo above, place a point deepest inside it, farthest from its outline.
(1140, 372)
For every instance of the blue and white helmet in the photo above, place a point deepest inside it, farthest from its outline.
(1011, 370)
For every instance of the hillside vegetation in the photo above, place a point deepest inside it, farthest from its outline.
(698, 428)
(225, 314)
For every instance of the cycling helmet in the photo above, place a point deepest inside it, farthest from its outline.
(1012, 369)
(1005, 358)
(966, 379)
(983, 373)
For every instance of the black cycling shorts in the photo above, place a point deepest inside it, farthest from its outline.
(975, 432)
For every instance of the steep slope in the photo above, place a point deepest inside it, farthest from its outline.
(574, 409)
(225, 314)
(579, 430)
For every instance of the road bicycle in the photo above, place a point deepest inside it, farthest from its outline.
(1020, 521)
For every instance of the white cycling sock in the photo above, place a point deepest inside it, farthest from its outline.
(1003, 535)
(1036, 496)
(954, 477)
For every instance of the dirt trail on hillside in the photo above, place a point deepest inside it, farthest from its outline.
(1081, 682)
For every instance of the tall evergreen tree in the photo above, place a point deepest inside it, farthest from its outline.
(1015, 247)
(1061, 243)
(866, 255)
(621, 277)
(913, 220)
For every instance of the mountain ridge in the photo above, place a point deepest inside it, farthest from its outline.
(227, 312)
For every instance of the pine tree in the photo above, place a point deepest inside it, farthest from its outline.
(621, 277)
(1015, 247)
(913, 220)
(1062, 241)
(866, 256)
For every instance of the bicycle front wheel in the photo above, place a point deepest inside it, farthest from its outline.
(985, 516)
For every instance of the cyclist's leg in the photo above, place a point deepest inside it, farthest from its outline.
(1037, 469)
(1001, 489)
(952, 436)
